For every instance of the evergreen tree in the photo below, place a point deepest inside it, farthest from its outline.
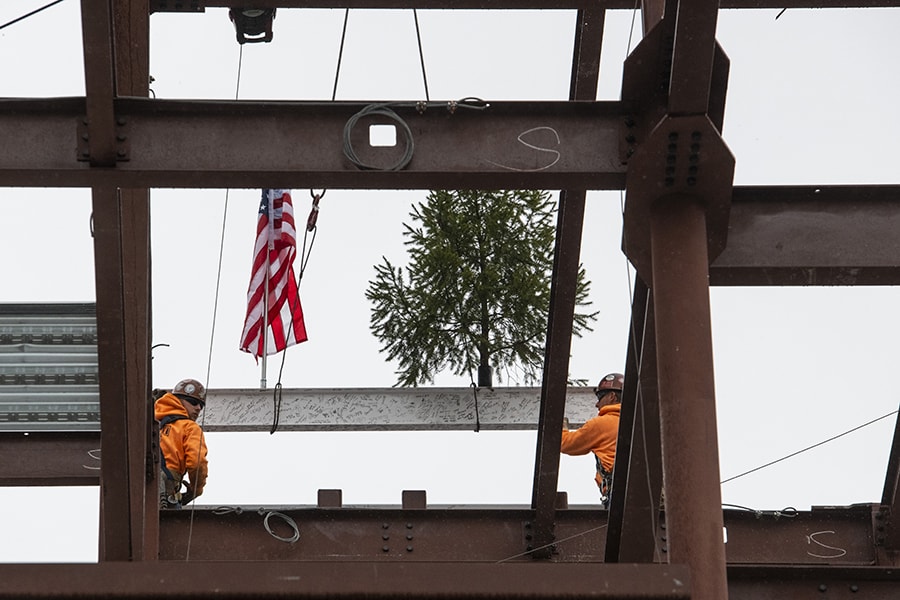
(477, 287)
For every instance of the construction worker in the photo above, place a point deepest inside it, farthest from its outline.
(181, 443)
(599, 434)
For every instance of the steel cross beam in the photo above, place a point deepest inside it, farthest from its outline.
(214, 144)
(634, 509)
(496, 534)
(563, 287)
(200, 5)
(334, 579)
(128, 499)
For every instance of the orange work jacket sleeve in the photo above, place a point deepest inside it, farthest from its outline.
(598, 435)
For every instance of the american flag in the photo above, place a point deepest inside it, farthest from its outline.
(276, 238)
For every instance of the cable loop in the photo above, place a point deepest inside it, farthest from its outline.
(289, 521)
(384, 110)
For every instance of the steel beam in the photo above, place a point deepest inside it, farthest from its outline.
(634, 525)
(45, 459)
(175, 143)
(122, 268)
(779, 582)
(811, 235)
(692, 57)
(99, 133)
(687, 402)
(890, 497)
(387, 409)
(439, 580)
(199, 5)
(823, 536)
(345, 580)
(563, 286)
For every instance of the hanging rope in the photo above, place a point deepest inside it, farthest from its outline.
(337, 71)
(212, 334)
(421, 54)
(34, 12)
(311, 227)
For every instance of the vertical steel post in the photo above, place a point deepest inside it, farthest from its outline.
(680, 271)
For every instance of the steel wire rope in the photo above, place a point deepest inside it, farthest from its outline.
(212, 333)
(421, 54)
(553, 543)
(311, 226)
(288, 520)
(25, 16)
(816, 445)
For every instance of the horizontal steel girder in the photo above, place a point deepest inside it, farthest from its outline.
(194, 5)
(344, 580)
(38, 459)
(388, 409)
(207, 144)
(835, 536)
(535, 580)
(812, 235)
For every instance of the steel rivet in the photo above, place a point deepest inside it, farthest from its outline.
(120, 121)
(673, 136)
(630, 138)
(384, 525)
(409, 548)
(385, 537)
(691, 180)
(409, 526)
(854, 588)
(695, 148)
(664, 549)
(696, 136)
(385, 549)
(409, 537)
(84, 136)
(121, 153)
(823, 587)
(121, 137)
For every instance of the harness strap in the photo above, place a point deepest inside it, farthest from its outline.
(606, 479)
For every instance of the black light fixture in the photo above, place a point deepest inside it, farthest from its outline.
(252, 25)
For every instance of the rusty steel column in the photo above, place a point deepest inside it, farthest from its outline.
(680, 267)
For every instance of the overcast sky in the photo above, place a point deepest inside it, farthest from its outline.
(812, 100)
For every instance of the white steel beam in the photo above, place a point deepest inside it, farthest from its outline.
(387, 409)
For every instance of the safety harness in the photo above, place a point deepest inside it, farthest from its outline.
(170, 488)
(605, 482)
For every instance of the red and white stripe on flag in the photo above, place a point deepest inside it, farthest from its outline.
(276, 238)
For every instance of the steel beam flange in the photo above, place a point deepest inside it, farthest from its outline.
(683, 157)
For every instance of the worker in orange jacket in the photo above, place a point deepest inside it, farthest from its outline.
(599, 434)
(181, 443)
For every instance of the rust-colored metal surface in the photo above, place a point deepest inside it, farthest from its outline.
(50, 458)
(505, 144)
(329, 579)
(687, 406)
(498, 534)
